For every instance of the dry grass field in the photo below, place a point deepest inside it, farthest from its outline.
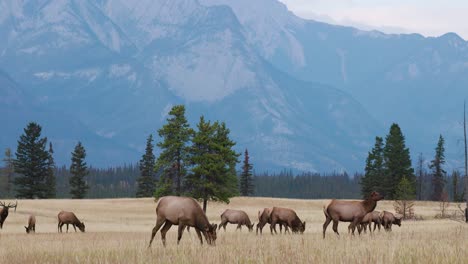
(118, 231)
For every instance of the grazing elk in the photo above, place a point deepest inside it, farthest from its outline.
(4, 211)
(288, 218)
(349, 211)
(389, 219)
(69, 218)
(235, 217)
(372, 217)
(31, 224)
(264, 218)
(182, 211)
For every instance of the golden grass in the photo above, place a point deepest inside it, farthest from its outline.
(118, 231)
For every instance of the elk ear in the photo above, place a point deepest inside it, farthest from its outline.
(26, 228)
(304, 224)
(215, 226)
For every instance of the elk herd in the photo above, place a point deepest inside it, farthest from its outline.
(186, 213)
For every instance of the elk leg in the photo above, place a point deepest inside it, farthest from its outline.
(239, 226)
(74, 227)
(164, 230)
(281, 228)
(335, 227)
(325, 225)
(179, 235)
(224, 226)
(59, 229)
(158, 225)
(67, 228)
(199, 236)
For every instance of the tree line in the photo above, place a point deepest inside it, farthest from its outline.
(201, 163)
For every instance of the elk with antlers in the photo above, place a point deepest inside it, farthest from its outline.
(4, 211)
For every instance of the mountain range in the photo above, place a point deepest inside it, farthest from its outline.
(299, 94)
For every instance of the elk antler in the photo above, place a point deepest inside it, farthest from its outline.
(2, 204)
(11, 206)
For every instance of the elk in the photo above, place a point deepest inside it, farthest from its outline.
(349, 211)
(235, 217)
(372, 217)
(184, 212)
(389, 219)
(264, 218)
(31, 224)
(69, 218)
(286, 217)
(4, 211)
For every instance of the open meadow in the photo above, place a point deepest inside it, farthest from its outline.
(118, 231)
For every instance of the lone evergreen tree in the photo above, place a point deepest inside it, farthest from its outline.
(438, 173)
(372, 180)
(397, 162)
(50, 183)
(171, 162)
(213, 174)
(246, 178)
(31, 163)
(404, 196)
(146, 181)
(8, 170)
(79, 170)
(421, 173)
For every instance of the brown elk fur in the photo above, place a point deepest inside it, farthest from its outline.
(69, 218)
(264, 218)
(349, 211)
(182, 211)
(389, 219)
(288, 218)
(31, 224)
(235, 217)
(4, 212)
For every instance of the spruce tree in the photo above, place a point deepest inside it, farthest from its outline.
(246, 186)
(438, 173)
(31, 163)
(50, 182)
(79, 170)
(372, 180)
(213, 174)
(174, 147)
(397, 162)
(146, 181)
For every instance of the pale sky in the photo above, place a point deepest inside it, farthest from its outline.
(427, 17)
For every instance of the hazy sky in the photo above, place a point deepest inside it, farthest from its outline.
(428, 17)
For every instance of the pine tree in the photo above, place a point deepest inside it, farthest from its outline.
(438, 173)
(174, 146)
(246, 187)
(79, 170)
(397, 162)
(31, 163)
(146, 181)
(8, 171)
(213, 174)
(50, 183)
(372, 180)
(404, 196)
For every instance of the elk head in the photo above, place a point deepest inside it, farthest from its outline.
(398, 218)
(4, 211)
(211, 233)
(81, 226)
(375, 196)
(28, 230)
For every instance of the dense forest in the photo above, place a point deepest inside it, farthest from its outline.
(121, 181)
